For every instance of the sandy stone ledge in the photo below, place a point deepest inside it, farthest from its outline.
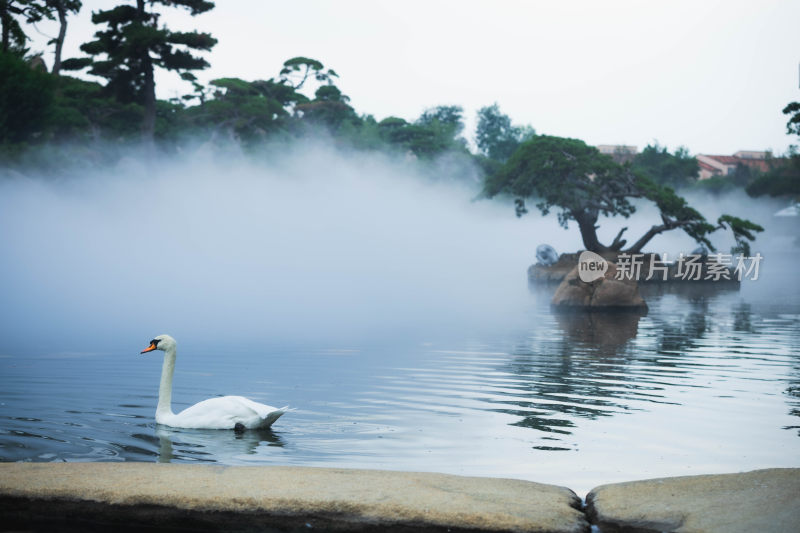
(168, 497)
(761, 501)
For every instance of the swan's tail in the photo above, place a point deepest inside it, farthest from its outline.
(271, 417)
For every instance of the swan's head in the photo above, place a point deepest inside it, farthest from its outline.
(162, 342)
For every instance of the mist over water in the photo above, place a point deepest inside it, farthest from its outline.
(386, 304)
(306, 243)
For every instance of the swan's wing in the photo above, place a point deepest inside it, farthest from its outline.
(267, 413)
(225, 412)
(216, 413)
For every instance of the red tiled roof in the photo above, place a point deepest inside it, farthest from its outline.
(726, 159)
(760, 164)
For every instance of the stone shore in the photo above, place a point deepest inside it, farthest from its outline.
(283, 498)
(179, 497)
(761, 501)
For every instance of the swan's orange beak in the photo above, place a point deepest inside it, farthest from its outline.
(149, 348)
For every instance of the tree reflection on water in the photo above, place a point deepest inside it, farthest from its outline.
(592, 365)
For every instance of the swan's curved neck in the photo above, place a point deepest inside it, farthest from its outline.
(165, 389)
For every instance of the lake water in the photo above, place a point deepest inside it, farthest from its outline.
(702, 384)
(390, 310)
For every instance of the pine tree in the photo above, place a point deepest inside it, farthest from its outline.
(133, 45)
(11, 11)
(61, 8)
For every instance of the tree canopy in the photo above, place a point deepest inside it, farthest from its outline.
(582, 184)
(241, 109)
(676, 170)
(496, 137)
(26, 96)
(297, 70)
(782, 179)
(14, 37)
(793, 124)
(12, 12)
(133, 44)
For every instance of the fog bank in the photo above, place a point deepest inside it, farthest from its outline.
(305, 244)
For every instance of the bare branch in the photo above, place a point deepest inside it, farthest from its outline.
(618, 241)
(655, 230)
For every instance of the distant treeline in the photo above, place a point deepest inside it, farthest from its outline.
(40, 108)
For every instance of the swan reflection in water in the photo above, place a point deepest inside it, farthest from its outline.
(215, 446)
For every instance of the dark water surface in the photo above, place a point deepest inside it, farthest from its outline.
(702, 384)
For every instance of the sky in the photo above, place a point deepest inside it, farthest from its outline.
(709, 75)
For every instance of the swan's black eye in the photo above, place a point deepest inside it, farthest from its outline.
(155, 342)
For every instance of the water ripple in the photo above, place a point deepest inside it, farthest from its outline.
(658, 391)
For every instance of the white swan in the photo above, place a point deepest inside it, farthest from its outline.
(226, 412)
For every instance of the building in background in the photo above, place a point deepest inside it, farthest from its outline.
(724, 165)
